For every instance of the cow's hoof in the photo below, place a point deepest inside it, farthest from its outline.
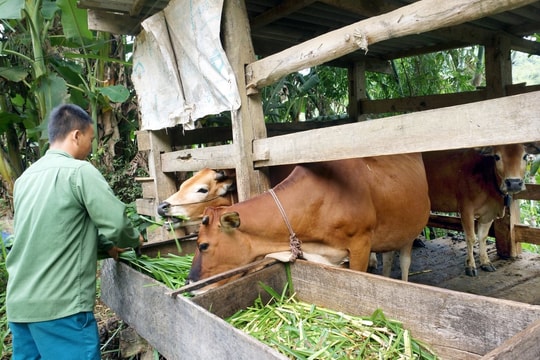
(470, 271)
(488, 267)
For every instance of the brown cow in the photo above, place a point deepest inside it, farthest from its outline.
(337, 209)
(209, 187)
(475, 185)
(205, 188)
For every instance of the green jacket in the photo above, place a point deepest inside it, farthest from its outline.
(65, 212)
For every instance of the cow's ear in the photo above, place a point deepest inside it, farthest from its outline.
(230, 220)
(532, 148)
(220, 175)
(486, 150)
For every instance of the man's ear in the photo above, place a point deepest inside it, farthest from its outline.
(75, 135)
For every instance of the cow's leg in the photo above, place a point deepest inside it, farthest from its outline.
(388, 261)
(467, 221)
(373, 262)
(359, 255)
(405, 261)
(483, 229)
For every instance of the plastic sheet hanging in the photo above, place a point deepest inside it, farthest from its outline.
(180, 70)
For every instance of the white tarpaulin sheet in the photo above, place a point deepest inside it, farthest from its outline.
(180, 71)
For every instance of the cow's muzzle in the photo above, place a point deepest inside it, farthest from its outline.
(513, 185)
(163, 208)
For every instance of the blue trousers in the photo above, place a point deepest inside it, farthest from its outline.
(74, 337)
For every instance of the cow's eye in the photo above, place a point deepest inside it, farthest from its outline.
(202, 190)
(496, 157)
(203, 246)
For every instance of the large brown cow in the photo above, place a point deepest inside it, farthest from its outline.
(337, 209)
(475, 184)
(212, 188)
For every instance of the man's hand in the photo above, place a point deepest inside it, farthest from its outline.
(115, 251)
(141, 240)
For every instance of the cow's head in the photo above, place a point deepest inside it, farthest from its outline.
(510, 165)
(206, 188)
(220, 246)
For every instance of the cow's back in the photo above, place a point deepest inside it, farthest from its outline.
(386, 196)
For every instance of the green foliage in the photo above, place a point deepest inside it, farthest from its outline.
(436, 73)
(321, 91)
(5, 342)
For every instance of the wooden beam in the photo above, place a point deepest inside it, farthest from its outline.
(215, 157)
(279, 11)
(418, 17)
(164, 184)
(419, 103)
(248, 121)
(532, 192)
(527, 234)
(522, 346)
(498, 66)
(463, 126)
(136, 7)
(113, 23)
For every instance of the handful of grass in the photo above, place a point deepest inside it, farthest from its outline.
(305, 331)
(172, 270)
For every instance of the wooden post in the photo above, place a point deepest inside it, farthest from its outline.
(248, 122)
(357, 90)
(162, 186)
(498, 77)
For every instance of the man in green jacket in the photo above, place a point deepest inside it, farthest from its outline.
(65, 215)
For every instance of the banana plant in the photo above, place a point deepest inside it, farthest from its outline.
(48, 56)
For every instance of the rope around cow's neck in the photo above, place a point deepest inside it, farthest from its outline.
(294, 242)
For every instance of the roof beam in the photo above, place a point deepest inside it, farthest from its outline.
(280, 11)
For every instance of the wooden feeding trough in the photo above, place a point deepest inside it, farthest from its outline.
(455, 325)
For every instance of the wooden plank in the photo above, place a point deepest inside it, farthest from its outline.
(143, 140)
(146, 207)
(279, 11)
(248, 122)
(507, 247)
(179, 137)
(176, 327)
(420, 103)
(453, 127)
(522, 346)
(419, 17)
(254, 266)
(242, 293)
(113, 23)
(532, 192)
(527, 234)
(216, 157)
(498, 66)
(164, 184)
(515, 89)
(456, 325)
(136, 7)
(148, 189)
